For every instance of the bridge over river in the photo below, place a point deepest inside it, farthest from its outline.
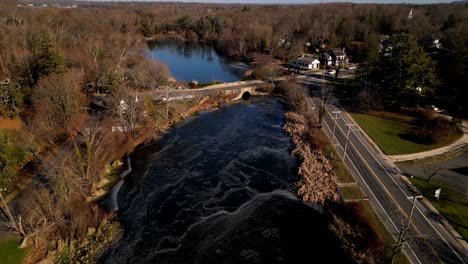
(239, 87)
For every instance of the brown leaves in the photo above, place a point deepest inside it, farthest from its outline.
(317, 182)
(57, 100)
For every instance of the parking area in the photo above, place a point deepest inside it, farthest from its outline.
(452, 172)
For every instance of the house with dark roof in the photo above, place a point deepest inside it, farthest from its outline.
(339, 57)
(326, 59)
(305, 63)
(431, 43)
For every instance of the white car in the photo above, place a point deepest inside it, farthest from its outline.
(350, 67)
(331, 72)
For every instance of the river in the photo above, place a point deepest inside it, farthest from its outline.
(190, 61)
(216, 189)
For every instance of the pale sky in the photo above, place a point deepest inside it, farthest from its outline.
(291, 1)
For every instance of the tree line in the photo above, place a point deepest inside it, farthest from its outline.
(286, 31)
(56, 65)
(65, 73)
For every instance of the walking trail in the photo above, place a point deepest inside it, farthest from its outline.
(461, 142)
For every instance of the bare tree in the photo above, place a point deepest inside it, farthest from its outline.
(268, 70)
(147, 74)
(430, 171)
(166, 87)
(128, 105)
(92, 138)
(58, 100)
(326, 91)
(365, 97)
(39, 215)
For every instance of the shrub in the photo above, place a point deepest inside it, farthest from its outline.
(436, 130)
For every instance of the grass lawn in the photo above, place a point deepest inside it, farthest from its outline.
(10, 253)
(452, 205)
(352, 192)
(340, 170)
(388, 131)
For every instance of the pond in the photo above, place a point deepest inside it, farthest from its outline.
(190, 61)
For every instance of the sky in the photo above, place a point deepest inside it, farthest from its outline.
(294, 1)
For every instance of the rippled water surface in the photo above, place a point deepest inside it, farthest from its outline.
(215, 190)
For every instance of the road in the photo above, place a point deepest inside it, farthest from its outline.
(380, 180)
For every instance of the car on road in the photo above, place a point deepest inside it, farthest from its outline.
(350, 67)
(432, 107)
(331, 72)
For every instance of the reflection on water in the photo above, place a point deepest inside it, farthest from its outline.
(189, 61)
(215, 190)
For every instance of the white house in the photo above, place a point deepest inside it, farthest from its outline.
(339, 56)
(306, 63)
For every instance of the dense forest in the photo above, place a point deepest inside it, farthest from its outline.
(55, 62)
(284, 32)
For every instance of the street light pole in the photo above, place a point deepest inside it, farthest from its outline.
(334, 124)
(404, 230)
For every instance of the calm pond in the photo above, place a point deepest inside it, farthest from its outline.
(189, 61)
(216, 189)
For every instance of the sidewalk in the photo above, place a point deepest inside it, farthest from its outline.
(389, 161)
(463, 141)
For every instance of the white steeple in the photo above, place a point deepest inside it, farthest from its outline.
(410, 15)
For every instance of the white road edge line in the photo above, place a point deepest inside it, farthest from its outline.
(440, 235)
(365, 183)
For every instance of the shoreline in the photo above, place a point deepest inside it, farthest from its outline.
(202, 105)
(116, 188)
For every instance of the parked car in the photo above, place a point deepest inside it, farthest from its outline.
(432, 107)
(331, 72)
(350, 67)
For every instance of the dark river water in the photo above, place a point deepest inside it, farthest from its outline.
(194, 61)
(215, 189)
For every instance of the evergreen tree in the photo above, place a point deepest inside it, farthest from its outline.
(405, 73)
(46, 58)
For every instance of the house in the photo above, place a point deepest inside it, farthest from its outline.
(305, 62)
(431, 43)
(339, 57)
(326, 59)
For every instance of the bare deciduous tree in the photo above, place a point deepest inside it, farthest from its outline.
(58, 100)
(430, 171)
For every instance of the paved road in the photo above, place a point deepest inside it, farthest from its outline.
(380, 180)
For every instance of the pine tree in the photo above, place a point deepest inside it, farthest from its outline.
(408, 72)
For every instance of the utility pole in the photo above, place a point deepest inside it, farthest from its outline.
(334, 124)
(404, 230)
(347, 138)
